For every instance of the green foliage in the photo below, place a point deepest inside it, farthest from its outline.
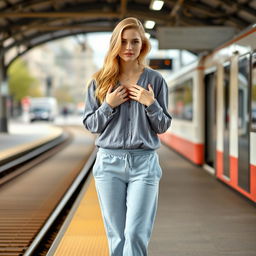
(20, 81)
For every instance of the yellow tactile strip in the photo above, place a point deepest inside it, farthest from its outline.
(54, 132)
(85, 235)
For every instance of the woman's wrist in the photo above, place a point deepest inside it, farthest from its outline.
(109, 104)
(150, 102)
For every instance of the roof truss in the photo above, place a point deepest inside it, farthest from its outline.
(32, 22)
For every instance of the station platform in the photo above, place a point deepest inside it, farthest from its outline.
(197, 216)
(25, 136)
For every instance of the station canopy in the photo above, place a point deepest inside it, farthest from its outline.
(25, 24)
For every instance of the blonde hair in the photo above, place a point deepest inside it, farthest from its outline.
(108, 74)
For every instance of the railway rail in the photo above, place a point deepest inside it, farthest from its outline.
(16, 164)
(31, 203)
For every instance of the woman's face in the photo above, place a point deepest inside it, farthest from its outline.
(131, 45)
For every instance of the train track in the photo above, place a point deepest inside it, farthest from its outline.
(16, 164)
(31, 203)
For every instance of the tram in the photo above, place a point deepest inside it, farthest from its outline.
(213, 104)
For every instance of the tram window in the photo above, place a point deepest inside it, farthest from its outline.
(243, 122)
(243, 93)
(181, 101)
(226, 119)
(226, 94)
(253, 101)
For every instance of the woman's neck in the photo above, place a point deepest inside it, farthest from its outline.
(130, 68)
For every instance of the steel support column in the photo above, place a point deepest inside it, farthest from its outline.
(3, 96)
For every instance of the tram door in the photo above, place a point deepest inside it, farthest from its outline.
(243, 122)
(226, 94)
(210, 119)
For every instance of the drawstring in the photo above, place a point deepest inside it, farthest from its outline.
(125, 161)
(128, 161)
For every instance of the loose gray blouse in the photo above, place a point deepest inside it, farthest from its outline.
(130, 125)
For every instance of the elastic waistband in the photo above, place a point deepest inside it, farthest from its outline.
(126, 151)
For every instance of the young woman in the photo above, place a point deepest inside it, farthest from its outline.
(126, 103)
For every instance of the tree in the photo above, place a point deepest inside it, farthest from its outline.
(21, 83)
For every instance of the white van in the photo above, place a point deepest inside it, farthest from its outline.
(43, 108)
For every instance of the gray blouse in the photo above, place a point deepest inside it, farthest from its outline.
(130, 125)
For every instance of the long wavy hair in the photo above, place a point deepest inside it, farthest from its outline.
(108, 74)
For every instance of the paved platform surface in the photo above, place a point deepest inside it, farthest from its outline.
(23, 136)
(197, 216)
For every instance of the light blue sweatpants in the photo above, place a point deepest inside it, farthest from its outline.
(127, 183)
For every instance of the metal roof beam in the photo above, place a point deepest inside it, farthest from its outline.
(176, 8)
(233, 16)
(52, 28)
(55, 4)
(214, 12)
(211, 13)
(29, 40)
(238, 6)
(39, 43)
(28, 4)
(160, 19)
(26, 20)
(58, 14)
(7, 2)
(192, 5)
(123, 8)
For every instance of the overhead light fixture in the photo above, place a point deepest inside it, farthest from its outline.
(8, 41)
(147, 35)
(149, 24)
(156, 5)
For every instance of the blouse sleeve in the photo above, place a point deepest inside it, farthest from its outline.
(158, 114)
(96, 116)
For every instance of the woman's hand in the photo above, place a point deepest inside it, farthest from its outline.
(117, 97)
(142, 95)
